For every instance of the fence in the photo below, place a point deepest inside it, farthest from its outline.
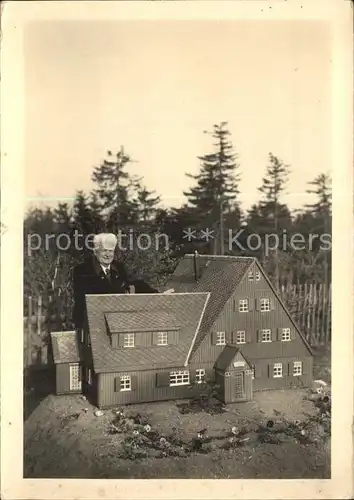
(309, 305)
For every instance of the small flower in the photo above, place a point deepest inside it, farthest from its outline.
(303, 432)
(147, 428)
(234, 430)
(136, 432)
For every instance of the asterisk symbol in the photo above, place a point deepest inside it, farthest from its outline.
(207, 234)
(190, 234)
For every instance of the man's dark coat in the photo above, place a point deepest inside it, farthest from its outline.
(89, 278)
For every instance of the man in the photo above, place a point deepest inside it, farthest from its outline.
(100, 274)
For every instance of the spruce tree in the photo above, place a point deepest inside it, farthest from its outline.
(215, 190)
(113, 190)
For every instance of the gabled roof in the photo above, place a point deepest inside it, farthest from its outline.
(65, 347)
(145, 321)
(227, 356)
(219, 275)
(188, 308)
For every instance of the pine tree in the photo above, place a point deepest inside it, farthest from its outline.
(218, 177)
(82, 214)
(146, 203)
(113, 193)
(216, 185)
(271, 215)
(321, 212)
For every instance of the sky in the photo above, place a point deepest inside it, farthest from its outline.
(155, 86)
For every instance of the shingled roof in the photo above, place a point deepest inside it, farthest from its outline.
(65, 347)
(187, 308)
(219, 275)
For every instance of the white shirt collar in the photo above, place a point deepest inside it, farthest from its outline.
(105, 268)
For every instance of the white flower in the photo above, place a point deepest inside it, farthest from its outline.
(147, 428)
(234, 430)
(135, 432)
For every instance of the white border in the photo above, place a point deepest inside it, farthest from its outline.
(15, 15)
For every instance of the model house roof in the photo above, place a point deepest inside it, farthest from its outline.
(219, 275)
(178, 310)
(65, 347)
(146, 321)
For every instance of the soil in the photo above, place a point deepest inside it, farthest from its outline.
(64, 439)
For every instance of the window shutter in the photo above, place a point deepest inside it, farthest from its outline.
(272, 304)
(248, 335)
(259, 336)
(213, 338)
(172, 337)
(120, 339)
(117, 384)
(274, 334)
(234, 336)
(305, 366)
(270, 367)
(162, 379)
(279, 333)
(155, 336)
(292, 333)
(228, 337)
(192, 376)
(290, 369)
(257, 304)
(209, 375)
(134, 382)
(251, 304)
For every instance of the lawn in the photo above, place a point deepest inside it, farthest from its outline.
(64, 439)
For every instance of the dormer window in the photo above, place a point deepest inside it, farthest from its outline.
(264, 305)
(129, 340)
(258, 275)
(243, 305)
(162, 338)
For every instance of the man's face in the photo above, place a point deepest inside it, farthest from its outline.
(104, 255)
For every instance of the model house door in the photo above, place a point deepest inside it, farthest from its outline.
(75, 377)
(240, 385)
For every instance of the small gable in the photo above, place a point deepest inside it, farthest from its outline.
(230, 358)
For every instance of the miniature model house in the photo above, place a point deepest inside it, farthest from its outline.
(225, 323)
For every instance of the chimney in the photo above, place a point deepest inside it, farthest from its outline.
(196, 266)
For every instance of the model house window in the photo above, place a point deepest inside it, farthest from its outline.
(253, 369)
(162, 338)
(297, 368)
(266, 335)
(179, 378)
(220, 338)
(277, 370)
(125, 383)
(200, 375)
(128, 340)
(258, 276)
(265, 305)
(240, 337)
(285, 335)
(250, 276)
(227, 374)
(89, 376)
(243, 305)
